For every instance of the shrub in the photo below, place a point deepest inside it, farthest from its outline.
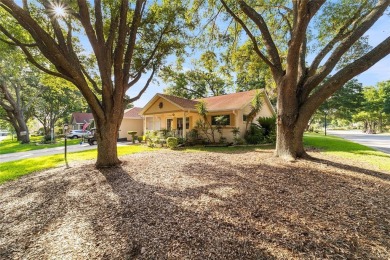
(141, 138)
(172, 142)
(268, 124)
(132, 133)
(46, 139)
(255, 134)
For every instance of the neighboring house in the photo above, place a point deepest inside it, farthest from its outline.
(80, 120)
(132, 121)
(180, 115)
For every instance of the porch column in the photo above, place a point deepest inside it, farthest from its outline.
(145, 118)
(184, 124)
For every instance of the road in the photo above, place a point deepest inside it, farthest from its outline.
(379, 142)
(48, 151)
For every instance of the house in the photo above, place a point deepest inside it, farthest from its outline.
(180, 115)
(80, 120)
(132, 121)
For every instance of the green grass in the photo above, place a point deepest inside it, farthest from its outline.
(15, 169)
(349, 150)
(9, 146)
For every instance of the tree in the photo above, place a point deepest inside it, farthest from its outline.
(256, 104)
(17, 91)
(127, 38)
(206, 79)
(283, 33)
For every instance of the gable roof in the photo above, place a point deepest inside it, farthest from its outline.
(181, 102)
(226, 102)
(230, 101)
(133, 113)
(81, 118)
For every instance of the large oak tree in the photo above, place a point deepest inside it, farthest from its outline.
(283, 34)
(128, 39)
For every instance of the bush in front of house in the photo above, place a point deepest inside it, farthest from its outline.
(254, 135)
(172, 142)
(132, 133)
(140, 138)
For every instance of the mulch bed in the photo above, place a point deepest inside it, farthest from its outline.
(199, 205)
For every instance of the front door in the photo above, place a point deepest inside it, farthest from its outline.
(169, 124)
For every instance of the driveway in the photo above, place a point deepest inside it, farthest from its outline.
(48, 151)
(379, 142)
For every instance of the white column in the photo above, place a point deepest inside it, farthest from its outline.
(145, 118)
(184, 124)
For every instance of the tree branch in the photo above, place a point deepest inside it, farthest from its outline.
(252, 37)
(145, 87)
(345, 45)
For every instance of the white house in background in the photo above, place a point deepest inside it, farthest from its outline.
(132, 121)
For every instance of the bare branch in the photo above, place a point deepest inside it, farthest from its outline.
(250, 35)
(345, 45)
(272, 50)
(145, 87)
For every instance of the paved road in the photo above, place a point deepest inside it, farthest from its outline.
(379, 142)
(47, 151)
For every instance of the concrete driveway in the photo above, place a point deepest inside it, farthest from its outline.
(379, 142)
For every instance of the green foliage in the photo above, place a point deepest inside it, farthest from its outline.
(256, 105)
(133, 137)
(172, 142)
(255, 134)
(141, 138)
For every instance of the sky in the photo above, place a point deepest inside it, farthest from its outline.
(377, 73)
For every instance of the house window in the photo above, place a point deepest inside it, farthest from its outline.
(180, 123)
(220, 120)
(244, 117)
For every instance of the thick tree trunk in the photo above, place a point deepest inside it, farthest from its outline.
(107, 135)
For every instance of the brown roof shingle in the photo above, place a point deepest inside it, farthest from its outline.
(182, 102)
(230, 101)
(133, 113)
(81, 118)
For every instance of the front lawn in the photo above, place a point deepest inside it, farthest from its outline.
(340, 147)
(14, 146)
(14, 169)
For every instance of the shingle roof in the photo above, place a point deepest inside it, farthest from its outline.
(133, 113)
(81, 118)
(182, 102)
(230, 101)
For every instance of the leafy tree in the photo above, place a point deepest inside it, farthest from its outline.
(283, 33)
(256, 104)
(374, 107)
(205, 80)
(128, 39)
(17, 91)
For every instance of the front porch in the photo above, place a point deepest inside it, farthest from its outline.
(179, 123)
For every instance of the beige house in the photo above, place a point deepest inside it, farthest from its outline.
(180, 115)
(132, 121)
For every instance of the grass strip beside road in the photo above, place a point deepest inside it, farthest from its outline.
(15, 169)
(337, 146)
(13, 146)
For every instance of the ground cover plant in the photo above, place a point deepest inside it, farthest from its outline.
(14, 146)
(199, 205)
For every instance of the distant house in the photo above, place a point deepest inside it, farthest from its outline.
(180, 115)
(80, 120)
(132, 121)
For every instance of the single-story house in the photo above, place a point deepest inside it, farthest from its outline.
(79, 120)
(180, 115)
(132, 121)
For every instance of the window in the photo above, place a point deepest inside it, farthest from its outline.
(169, 124)
(244, 117)
(220, 120)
